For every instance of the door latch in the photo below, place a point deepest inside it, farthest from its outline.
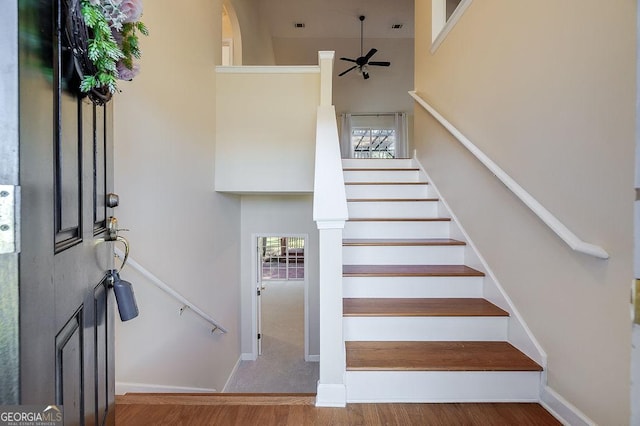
(9, 219)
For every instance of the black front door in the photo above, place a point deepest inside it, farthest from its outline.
(65, 303)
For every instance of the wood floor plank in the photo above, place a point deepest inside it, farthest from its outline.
(409, 271)
(522, 414)
(437, 356)
(437, 307)
(402, 242)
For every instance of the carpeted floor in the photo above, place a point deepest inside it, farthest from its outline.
(281, 368)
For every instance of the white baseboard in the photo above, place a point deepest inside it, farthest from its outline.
(233, 371)
(248, 356)
(313, 358)
(562, 409)
(331, 395)
(124, 387)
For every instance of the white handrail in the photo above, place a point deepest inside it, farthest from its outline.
(171, 292)
(550, 220)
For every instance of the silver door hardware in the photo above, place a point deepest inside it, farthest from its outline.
(635, 301)
(113, 200)
(9, 219)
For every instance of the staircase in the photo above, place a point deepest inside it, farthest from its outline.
(416, 325)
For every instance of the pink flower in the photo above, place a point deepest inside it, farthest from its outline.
(132, 9)
(125, 73)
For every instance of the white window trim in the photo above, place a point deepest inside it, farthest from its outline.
(440, 26)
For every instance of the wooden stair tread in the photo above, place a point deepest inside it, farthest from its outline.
(390, 200)
(402, 242)
(386, 183)
(217, 398)
(433, 307)
(409, 271)
(437, 356)
(399, 219)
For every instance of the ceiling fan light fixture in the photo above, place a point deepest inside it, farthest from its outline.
(362, 63)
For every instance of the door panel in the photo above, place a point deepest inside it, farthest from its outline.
(69, 365)
(66, 303)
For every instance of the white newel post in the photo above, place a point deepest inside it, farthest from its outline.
(330, 214)
(331, 389)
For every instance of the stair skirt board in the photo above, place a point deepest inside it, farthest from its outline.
(402, 255)
(382, 229)
(425, 328)
(519, 332)
(420, 287)
(397, 209)
(442, 386)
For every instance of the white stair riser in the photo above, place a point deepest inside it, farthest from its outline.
(410, 255)
(381, 176)
(442, 386)
(376, 229)
(407, 287)
(373, 163)
(393, 209)
(425, 328)
(387, 191)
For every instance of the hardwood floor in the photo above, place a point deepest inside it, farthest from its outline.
(273, 411)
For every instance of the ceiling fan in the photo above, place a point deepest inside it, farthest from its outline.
(362, 63)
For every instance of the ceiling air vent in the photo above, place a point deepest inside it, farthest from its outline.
(396, 26)
(299, 25)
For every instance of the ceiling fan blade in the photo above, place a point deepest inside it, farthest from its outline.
(380, 64)
(344, 72)
(348, 59)
(370, 54)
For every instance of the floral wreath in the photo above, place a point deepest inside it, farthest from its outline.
(105, 44)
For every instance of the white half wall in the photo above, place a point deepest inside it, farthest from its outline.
(265, 132)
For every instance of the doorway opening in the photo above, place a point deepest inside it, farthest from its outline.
(281, 295)
(231, 38)
(280, 354)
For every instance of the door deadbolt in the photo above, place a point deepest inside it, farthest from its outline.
(113, 200)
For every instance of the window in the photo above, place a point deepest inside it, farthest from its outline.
(282, 258)
(444, 16)
(374, 135)
(373, 142)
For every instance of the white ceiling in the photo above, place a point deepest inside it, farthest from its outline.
(338, 18)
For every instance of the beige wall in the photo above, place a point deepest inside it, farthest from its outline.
(547, 90)
(180, 229)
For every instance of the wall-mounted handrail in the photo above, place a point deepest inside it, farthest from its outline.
(186, 304)
(549, 219)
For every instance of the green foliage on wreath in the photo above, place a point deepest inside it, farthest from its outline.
(130, 46)
(103, 50)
